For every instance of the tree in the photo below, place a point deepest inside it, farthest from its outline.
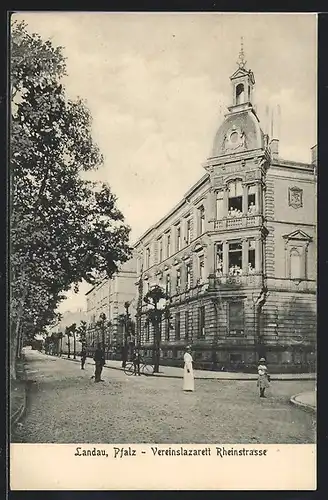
(70, 331)
(101, 328)
(155, 313)
(64, 228)
(60, 343)
(82, 332)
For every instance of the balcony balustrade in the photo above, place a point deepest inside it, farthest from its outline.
(246, 280)
(244, 221)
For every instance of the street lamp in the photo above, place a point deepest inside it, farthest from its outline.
(157, 302)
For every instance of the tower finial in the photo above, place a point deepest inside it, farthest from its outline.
(241, 59)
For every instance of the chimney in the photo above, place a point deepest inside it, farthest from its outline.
(314, 151)
(274, 147)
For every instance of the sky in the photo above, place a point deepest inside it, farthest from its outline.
(157, 86)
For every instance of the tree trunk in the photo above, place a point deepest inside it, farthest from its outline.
(74, 346)
(13, 357)
(157, 338)
(68, 346)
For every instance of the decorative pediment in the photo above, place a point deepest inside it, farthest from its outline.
(297, 235)
(239, 73)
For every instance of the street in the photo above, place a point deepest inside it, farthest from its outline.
(66, 406)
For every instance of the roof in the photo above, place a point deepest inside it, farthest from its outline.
(182, 202)
(244, 121)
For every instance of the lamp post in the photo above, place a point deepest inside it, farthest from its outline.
(156, 299)
(258, 303)
(126, 331)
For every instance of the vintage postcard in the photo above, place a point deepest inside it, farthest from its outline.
(163, 251)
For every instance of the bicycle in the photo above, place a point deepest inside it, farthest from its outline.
(145, 368)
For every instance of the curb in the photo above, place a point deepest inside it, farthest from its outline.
(19, 413)
(15, 418)
(303, 406)
(242, 379)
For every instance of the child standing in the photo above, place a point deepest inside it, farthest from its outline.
(263, 377)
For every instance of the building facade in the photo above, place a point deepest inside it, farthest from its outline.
(109, 297)
(237, 255)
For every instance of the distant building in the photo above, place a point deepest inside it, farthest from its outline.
(237, 255)
(109, 297)
(68, 318)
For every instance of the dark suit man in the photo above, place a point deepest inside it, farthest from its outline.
(99, 359)
(83, 358)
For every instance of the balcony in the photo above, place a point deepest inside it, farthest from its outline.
(230, 282)
(245, 221)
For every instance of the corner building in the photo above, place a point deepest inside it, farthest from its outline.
(237, 255)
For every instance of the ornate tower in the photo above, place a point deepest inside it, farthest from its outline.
(242, 82)
(241, 129)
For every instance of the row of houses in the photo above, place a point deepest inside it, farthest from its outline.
(237, 255)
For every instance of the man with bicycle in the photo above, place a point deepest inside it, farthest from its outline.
(136, 362)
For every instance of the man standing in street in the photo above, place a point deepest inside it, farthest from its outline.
(99, 359)
(136, 362)
(83, 357)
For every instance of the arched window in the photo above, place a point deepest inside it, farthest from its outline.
(240, 93)
(295, 264)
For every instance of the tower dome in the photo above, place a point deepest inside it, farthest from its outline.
(240, 130)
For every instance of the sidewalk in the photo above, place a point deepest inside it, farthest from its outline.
(17, 395)
(305, 400)
(175, 372)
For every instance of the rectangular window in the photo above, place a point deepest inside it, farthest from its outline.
(219, 259)
(201, 270)
(251, 256)
(251, 200)
(296, 270)
(147, 257)
(235, 259)
(188, 231)
(186, 332)
(235, 204)
(147, 327)
(168, 245)
(201, 322)
(188, 275)
(160, 250)
(177, 326)
(178, 240)
(236, 318)
(219, 205)
(235, 358)
(201, 214)
(167, 329)
(178, 280)
(168, 284)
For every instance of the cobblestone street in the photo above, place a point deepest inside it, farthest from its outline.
(66, 406)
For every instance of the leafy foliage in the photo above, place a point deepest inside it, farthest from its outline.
(64, 228)
(154, 315)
